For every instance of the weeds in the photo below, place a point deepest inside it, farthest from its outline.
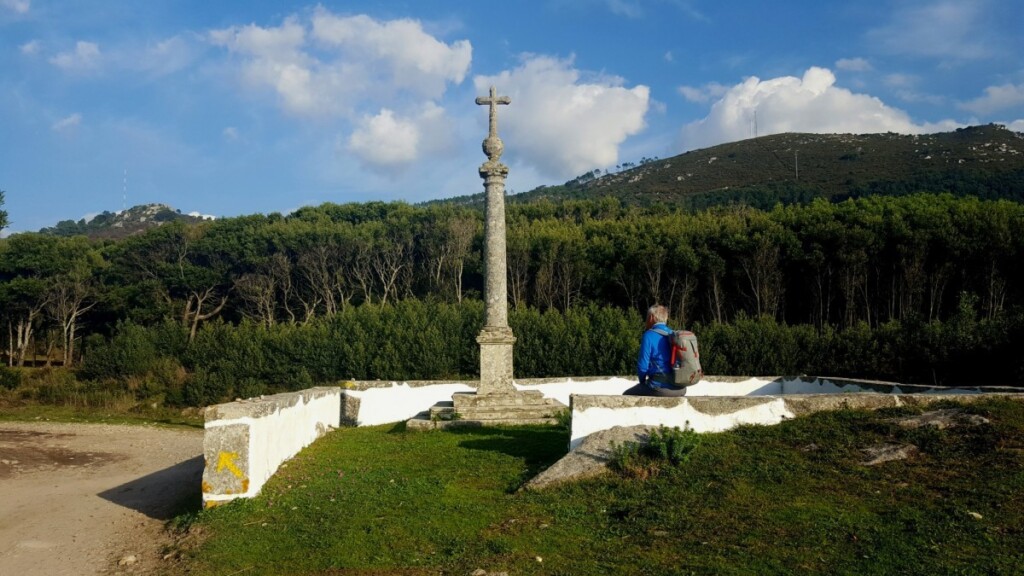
(664, 447)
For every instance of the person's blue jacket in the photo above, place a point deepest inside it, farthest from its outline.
(655, 355)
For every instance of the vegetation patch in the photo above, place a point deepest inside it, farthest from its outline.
(755, 500)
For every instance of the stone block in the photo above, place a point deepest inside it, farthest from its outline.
(226, 453)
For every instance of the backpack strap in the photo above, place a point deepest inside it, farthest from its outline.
(672, 340)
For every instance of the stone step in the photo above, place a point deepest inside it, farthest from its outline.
(507, 413)
(423, 422)
(525, 398)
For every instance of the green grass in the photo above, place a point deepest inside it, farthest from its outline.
(791, 498)
(129, 415)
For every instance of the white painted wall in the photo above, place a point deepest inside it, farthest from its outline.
(279, 436)
(683, 415)
(400, 402)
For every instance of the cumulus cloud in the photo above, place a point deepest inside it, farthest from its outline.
(328, 65)
(1016, 125)
(812, 103)
(68, 123)
(85, 57)
(412, 58)
(996, 98)
(561, 123)
(16, 6)
(387, 141)
(946, 29)
(853, 65)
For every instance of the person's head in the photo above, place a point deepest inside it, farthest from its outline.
(656, 314)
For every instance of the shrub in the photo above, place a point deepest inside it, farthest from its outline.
(10, 378)
(665, 447)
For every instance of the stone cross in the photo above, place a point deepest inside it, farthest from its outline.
(496, 338)
(493, 153)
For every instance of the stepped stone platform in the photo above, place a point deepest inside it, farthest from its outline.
(512, 408)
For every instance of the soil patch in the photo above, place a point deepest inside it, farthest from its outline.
(80, 497)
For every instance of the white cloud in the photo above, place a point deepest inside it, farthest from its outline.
(996, 98)
(17, 6)
(669, 57)
(331, 65)
(1016, 125)
(68, 123)
(85, 57)
(703, 93)
(789, 104)
(30, 48)
(945, 29)
(853, 65)
(384, 140)
(414, 59)
(561, 124)
(387, 141)
(230, 133)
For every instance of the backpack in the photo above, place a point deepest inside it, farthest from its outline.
(685, 357)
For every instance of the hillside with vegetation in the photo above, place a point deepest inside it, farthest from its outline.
(116, 225)
(983, 161)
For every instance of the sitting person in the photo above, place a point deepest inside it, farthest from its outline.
(653, 365)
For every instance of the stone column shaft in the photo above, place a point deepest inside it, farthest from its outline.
(496, 276)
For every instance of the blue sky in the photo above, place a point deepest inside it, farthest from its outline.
(229, 108)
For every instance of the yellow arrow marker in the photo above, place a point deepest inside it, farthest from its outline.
(227, 460)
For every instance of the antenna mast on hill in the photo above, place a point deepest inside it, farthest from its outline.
(755, 123)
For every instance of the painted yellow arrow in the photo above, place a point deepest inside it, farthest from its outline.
(227, 460)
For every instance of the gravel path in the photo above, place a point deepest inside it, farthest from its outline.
(76, 499)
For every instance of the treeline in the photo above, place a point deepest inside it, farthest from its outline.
(887, 277)
(413, 339)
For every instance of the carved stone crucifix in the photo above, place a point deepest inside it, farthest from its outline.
(493, 146)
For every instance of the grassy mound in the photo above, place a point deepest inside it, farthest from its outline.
(793, 498)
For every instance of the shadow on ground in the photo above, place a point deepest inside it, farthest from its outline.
(164, 494)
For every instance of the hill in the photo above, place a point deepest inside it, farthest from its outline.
(115, 225)
(984, 161)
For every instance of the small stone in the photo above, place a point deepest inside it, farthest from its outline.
(974, 515)
(127, 560)
(479, 572)
(538, 559)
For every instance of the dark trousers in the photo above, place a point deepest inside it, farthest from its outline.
(645, 390)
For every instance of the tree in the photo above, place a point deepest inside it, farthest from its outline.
(3, 213)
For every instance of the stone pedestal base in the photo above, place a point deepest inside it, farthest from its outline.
(495, 360)
(515, 408)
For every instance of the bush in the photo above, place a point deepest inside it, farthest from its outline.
(665, 447)
(10, 378)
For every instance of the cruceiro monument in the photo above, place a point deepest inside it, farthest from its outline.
(496, 400)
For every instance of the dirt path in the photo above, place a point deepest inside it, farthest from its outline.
(77, 498)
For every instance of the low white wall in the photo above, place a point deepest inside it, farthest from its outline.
(258, 436)
(247, 441)
(398, 401)
(682, 415)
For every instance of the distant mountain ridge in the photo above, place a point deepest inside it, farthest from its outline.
(985, 161)
(114, 225)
